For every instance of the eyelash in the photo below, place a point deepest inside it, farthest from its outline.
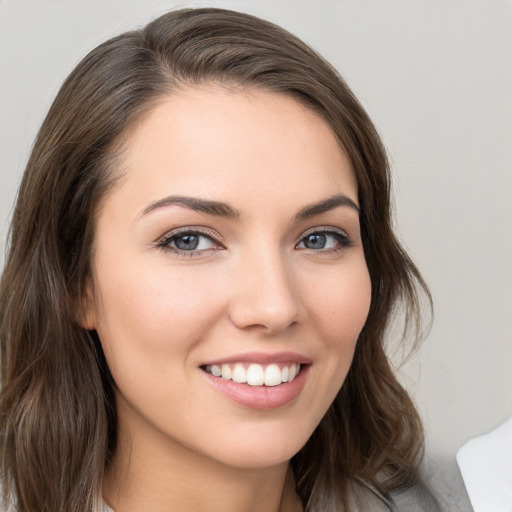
(341, 237)
(165, 243)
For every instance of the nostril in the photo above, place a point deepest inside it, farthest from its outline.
(265, 295)
(254, 317)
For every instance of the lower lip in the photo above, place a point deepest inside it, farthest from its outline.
(260, 397)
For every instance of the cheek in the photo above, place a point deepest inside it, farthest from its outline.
(147, 313)
(341, 305)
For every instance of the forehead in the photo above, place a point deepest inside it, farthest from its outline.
(210, 141)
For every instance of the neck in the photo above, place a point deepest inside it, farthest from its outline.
(151, 473)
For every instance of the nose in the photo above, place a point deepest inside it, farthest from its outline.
(264, 294)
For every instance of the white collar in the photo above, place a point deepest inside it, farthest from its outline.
(486, 466)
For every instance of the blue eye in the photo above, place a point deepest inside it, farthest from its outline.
(324, 240)
(315, 241)
(188, 242)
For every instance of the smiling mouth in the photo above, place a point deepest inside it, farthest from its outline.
(255, 374)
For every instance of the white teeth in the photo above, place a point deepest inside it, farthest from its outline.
(239, 374)
(273, 375)
(226, 372)
(255, 374)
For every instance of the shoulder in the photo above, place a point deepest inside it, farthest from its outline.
(440, 489)
(7, 504)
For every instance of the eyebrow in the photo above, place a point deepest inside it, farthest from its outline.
(325, 206)
(220, 209)
(207, 206)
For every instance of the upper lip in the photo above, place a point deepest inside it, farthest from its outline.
(261, 358)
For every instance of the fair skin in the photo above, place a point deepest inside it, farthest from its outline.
(184, 287)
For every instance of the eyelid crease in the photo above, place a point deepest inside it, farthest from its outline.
(197, 230)
(164, 241)
(344, 238)
(324, 229)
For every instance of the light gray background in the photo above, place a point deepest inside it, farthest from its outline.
(436, 77)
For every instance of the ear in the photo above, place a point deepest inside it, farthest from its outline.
(86, 310)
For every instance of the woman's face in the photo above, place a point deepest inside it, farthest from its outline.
(230, 246)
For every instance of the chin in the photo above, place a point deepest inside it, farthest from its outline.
(260, 449)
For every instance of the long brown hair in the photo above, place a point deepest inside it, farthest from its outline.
(57, 408)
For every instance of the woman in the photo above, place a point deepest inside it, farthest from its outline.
(200, 277)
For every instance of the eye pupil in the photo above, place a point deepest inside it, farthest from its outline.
(315, 241)
(187, 242)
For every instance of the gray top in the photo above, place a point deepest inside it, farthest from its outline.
(441, 490)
